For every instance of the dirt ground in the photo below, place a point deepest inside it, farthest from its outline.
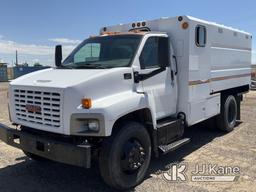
(238, 148)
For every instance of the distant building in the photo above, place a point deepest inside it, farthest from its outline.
(3, 64)
(3, 72)
(9, 73)
(18, 71)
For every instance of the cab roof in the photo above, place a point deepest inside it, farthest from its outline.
(134, 32)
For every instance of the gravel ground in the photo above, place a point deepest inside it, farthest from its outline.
(238, 148)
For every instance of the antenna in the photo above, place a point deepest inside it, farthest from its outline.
(16, 58)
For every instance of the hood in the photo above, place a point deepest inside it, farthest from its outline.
(60, 78)
(71, 85)
(96, 83)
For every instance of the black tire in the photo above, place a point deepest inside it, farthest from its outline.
(35, 157)
(116, 170)
(226, 121)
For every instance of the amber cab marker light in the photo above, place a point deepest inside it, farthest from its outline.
(86, 103)
(185, 25)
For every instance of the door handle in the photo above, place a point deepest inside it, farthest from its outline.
(175, 59)
(172, 75)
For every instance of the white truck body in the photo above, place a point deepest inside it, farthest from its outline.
(129, 93)
(224, 62)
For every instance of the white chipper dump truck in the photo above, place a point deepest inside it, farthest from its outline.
(127, 94)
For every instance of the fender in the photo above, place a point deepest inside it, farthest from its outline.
(119, 105)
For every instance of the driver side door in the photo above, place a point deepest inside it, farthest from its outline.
(160, 87)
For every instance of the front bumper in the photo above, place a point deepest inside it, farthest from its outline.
(64, 152)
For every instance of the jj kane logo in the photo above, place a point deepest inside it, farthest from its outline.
(176, 173)
(202, 173)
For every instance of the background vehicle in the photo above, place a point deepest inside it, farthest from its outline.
(128, 94)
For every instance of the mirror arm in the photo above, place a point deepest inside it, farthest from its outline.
(141, 77)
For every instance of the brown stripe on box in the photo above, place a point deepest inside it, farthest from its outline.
(197, 82)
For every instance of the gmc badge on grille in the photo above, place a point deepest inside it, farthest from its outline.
(33, 108)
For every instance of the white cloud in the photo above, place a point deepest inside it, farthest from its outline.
(9, 47)
(31, 52)
(65, 41)
(35, 60)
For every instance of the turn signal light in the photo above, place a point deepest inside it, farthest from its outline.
(86, 103)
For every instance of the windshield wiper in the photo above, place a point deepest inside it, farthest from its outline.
(65, 67)
(90, 66)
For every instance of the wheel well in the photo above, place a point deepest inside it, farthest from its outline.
(235, 91)
(144, 117)
(238, 94)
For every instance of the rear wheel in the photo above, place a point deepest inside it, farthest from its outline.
(226, 121)
(125, 156)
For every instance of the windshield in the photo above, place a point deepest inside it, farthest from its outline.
(103, 52)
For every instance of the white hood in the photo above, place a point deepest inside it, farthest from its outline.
(72, 85)
(58, 78)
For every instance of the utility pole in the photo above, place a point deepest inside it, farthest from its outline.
(16, 58)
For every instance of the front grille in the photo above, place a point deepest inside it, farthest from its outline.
(48, 103)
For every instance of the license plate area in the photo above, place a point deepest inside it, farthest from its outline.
(63, 152)
(40, 146)
(29, 143)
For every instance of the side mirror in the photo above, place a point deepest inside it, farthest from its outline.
(58, 55)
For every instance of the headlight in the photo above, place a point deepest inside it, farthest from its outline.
(90, 125)
(87, 124)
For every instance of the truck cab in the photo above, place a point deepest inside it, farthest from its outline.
(135, 67)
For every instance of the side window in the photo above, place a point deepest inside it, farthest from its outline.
(200, 36)
(149, 54)
(90, 52)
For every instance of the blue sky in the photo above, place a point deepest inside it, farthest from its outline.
(33, 27)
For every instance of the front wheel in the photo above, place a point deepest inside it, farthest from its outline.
(125, 156)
